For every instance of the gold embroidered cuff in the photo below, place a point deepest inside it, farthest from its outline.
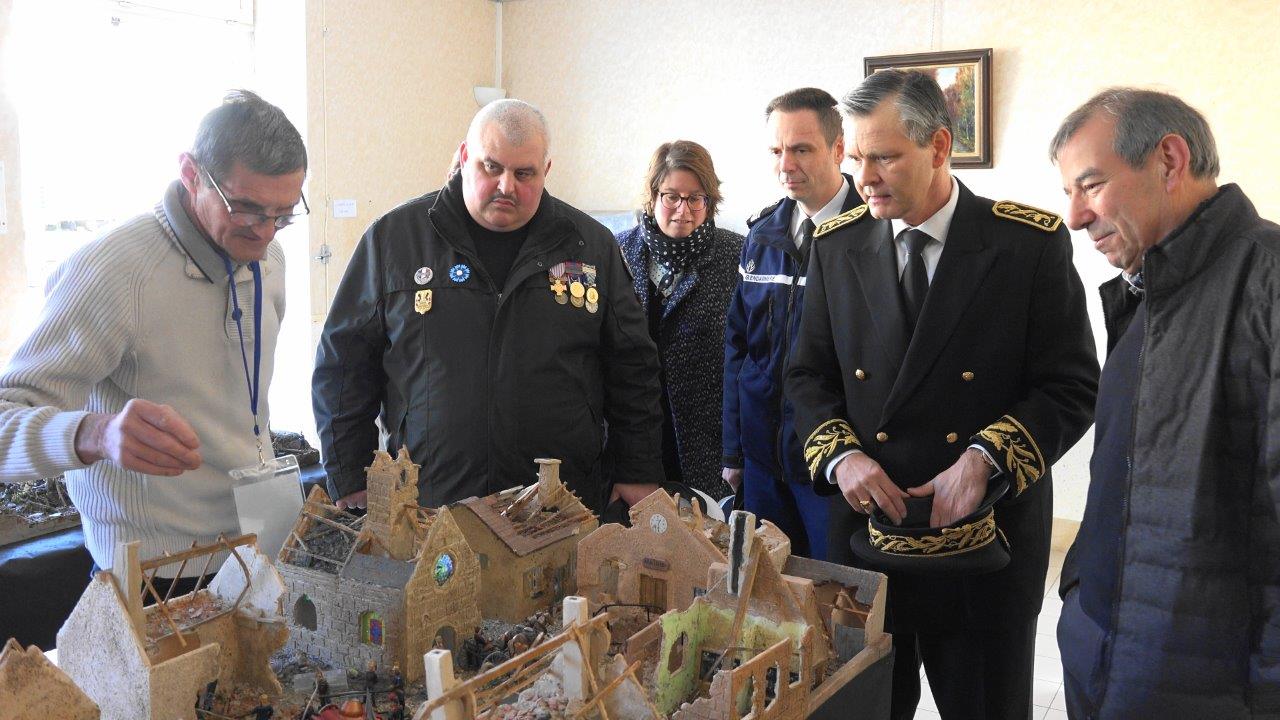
(1014, 448)
(948, 541)
(825, 442)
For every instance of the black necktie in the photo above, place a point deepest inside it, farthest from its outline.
(915, 281)
(806, 234)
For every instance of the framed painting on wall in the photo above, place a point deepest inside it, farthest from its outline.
(965, 78)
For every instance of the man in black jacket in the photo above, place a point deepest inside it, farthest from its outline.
(944, 338)
(488, 324)
(1171, 592)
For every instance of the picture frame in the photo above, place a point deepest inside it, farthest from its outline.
(965, 77)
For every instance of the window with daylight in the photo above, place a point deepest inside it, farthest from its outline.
(104, 110)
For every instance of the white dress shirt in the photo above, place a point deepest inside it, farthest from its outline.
(936, 227)
(828, 211)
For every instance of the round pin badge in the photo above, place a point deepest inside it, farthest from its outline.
(459, 273)
(423, 275)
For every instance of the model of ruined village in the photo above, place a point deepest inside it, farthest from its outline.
(676, 616)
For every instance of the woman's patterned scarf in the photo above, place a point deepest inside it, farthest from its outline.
(671, 257)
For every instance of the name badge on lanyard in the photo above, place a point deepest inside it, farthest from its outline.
(268, 495)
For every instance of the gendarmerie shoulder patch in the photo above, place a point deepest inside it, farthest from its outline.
(763, 213)
(1035, 217)
(839, 221)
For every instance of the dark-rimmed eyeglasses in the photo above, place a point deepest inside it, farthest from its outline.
(671, 200)
(244, 218)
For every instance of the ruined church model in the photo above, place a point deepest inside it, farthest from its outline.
(383, 588)
(153, 662)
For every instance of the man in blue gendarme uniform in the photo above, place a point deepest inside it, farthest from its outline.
(762, 455)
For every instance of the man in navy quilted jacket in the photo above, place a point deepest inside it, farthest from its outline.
(762, 457)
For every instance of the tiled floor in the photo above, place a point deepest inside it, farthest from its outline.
(1046, 691)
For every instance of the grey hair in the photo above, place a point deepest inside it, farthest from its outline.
(1142, 118)
(919, 100)
(247, 129)
(516, 119)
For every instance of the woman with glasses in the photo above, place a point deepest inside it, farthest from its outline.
(685, 270)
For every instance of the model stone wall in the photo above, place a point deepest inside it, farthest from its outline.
(659, 545)
(502, 592)
(33, 688)
(355, 599)
(101, 652)
(339, 604)
(391, 485)
(435, 605)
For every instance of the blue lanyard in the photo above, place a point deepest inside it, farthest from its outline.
(236, 314)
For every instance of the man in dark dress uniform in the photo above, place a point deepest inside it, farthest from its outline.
(944, 341)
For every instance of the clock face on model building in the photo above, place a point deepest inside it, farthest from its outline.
(658, 523)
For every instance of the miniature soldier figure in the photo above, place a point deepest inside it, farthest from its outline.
(397, 680)
(371, 676)
(519, 643)
(495, 658)
(473, 650)
(263, 711)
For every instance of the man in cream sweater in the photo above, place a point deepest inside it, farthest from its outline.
(142, 378)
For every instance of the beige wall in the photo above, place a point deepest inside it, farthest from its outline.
(13, 269)
(617, 78)
(389, 99)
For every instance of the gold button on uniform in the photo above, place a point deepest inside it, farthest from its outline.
(860, 374)
(966, 375)
(882, 436)
(952, 437)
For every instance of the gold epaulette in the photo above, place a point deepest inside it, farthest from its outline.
(1035, 217)
(840, 221)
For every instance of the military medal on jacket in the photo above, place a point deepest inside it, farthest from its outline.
(592, 294)
(422, 302)
(574, 283)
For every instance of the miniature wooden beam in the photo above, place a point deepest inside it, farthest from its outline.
(128, 573)
(200, 551)
(605, 691)
(332, 524)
